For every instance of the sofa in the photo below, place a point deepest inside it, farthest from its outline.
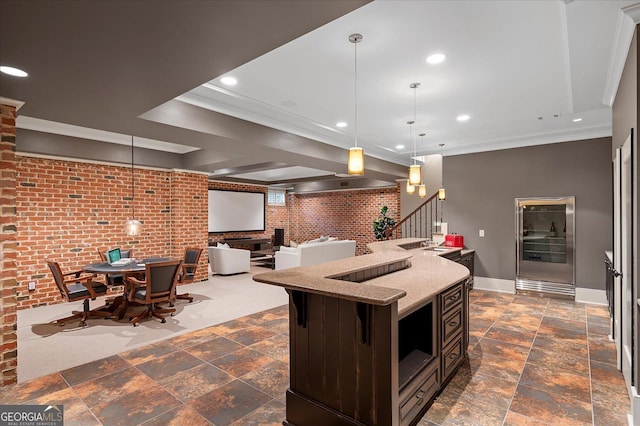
(227, 261)
(312, 253)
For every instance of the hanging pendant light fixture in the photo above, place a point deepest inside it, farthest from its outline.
(442, 194)
(422, 188)
(410, 188)
(355, 161)
(132, 226)
(414, 170)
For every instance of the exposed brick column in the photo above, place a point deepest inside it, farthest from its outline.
(189, 218)
(8, 270)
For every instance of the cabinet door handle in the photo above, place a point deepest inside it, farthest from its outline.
(453, 298)
(420, 396)
(452, 323)
(453, 356)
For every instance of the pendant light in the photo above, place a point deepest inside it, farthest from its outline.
(411, 187)
(414, 170)
(355, 161)
(442, 194)
(132, 227)
(422, 188)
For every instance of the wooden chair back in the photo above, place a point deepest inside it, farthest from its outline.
(190, 264)
(161, 279)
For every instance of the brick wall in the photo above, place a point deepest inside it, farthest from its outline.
(8, 268)
(189, 210)
(342, 214)
(67, 210)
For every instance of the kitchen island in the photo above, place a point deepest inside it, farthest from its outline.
(373, 338)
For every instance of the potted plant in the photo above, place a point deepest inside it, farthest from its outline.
(383, 224)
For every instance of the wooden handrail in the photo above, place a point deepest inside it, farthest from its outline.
(393, 232)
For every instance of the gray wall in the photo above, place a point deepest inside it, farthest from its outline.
(625, 106)
(481, 189)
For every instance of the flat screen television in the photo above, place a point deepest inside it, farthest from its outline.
(236, 211)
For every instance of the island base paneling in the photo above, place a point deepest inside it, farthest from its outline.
(353, 363)
(343, 363)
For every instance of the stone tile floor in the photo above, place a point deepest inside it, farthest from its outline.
(532, 361)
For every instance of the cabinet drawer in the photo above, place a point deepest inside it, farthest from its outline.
(420, 394)
(451, 324)
(452, 356)
(451, 297)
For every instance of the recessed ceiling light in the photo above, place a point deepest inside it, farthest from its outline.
(436, 58)
(576, 120)
(229, 81)
(341, 124)
(16, 72)
(463, 117)
(400, 146)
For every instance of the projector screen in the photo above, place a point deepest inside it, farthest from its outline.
(234, 211)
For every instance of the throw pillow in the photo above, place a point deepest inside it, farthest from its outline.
(293, 244)
(323, 239)
(223, 245)
(333, 238)
(284, 249)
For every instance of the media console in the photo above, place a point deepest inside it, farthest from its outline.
(373, 338)
(242, 242)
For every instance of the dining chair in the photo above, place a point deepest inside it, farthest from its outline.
(158, 286)
(188, 270)
(114, 279)
(74, 286)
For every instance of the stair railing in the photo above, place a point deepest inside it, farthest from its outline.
(420, 223)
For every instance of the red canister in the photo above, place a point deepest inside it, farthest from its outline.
(454, 240)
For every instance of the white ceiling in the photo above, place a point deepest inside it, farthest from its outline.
(523, 71)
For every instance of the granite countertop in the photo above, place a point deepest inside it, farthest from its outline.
(427, 275)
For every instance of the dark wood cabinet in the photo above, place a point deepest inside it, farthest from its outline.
(467, 259)
(373, 339)
(359, 364)
(453, 319)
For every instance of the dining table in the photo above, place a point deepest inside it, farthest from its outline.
(136, 266)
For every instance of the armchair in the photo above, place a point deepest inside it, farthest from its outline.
(188, 270)
(227, 261)
(158, 286)
(75, 286)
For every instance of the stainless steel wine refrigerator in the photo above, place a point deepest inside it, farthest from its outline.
(545, 246)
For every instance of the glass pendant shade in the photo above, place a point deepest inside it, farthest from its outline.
(133, 227)
(410, 188)
(355, 162)
(422, 190)
(414, 174)
(442, 195)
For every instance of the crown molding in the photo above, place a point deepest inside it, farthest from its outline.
(628, 18)
(11, 102)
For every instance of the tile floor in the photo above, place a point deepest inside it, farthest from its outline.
(532, 361)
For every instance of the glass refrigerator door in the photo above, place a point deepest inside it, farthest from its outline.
(545, 239)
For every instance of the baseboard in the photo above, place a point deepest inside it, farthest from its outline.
(583, 295)
(591, 296)
(494, 284)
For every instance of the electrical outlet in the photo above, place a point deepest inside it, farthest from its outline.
(32, 285)
(481, 233)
